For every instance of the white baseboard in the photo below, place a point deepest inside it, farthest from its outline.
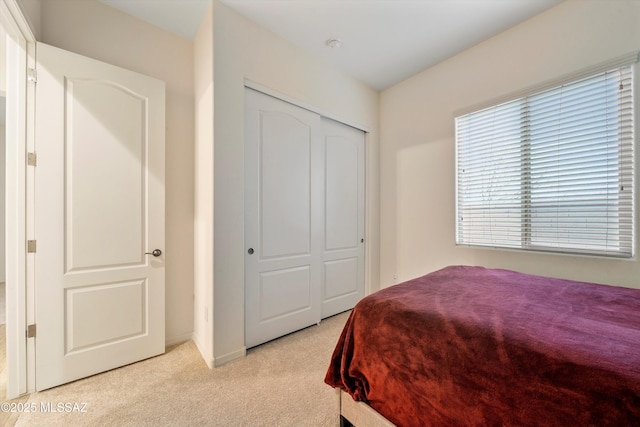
(229, 357)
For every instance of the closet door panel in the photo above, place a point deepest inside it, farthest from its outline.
(341, 190)
(283, 218)
(285, 185)
(343, 246)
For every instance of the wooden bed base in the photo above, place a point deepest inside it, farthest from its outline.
(359, 414)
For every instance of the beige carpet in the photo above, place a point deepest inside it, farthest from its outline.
(278, 384)
(6, 418)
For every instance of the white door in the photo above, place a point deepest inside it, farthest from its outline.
(99, 207)
(343, 246)
(283, 218)
(304, 218)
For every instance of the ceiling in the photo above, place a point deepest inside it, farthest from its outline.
(182, 17)
(383, 41)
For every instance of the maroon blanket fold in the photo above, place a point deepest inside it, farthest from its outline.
(470, 346)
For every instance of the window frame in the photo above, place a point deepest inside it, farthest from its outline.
(525, 224)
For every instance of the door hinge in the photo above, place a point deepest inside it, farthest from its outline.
(32, 75)
(32, 159)
(31, 246)
(31, 331)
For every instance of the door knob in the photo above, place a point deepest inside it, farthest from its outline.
(155, 253)
(250, 251)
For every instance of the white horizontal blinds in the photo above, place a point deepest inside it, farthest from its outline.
(489, 176)
(579, 197)
(552, 170)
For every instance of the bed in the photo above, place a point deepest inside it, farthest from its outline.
(471, 346)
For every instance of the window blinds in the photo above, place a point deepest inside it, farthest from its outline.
(552, 170)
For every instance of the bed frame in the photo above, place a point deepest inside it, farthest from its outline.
(358, 414)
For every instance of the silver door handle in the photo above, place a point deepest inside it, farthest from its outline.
(155, 253)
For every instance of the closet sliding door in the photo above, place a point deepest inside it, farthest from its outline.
(343, 240)
(283, 218)
(301, 203)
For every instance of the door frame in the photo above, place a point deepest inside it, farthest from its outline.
(19, 202)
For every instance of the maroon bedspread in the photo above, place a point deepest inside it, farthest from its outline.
(469, 346)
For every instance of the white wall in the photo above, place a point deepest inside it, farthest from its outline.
(417, 137)
(243, 50)
(203, 174)
(95, 30)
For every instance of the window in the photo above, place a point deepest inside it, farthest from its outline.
(552, 170)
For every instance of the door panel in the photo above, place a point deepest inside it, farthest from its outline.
(283, 218)
(90, 311)
(342, 180)
(100, 140)
(285, 185)
(284, 292)
(99, 206)
(343, 252)
(340, 278)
